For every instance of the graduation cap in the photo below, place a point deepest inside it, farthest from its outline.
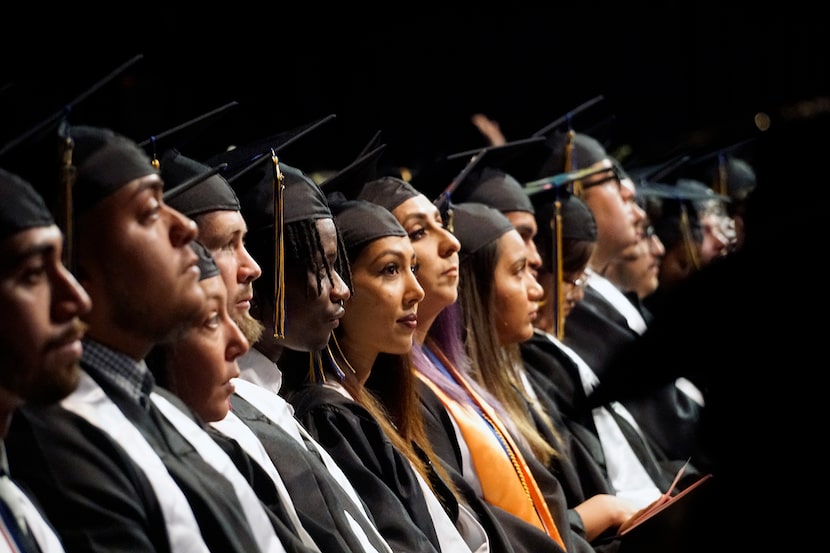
(48, 125)
(515, 158)
(63, 203)
(493, 179)
(574, 181)
(272, 197)
(567, 118)
(561, 214)
(726, 171)
(477, 225)
(565, 149)
(350, 180)
(195, 188)
(192, 125)
(441, 180)
(21, 207)
(243, 159)
(675, 215)
(96, 163)
(104, 161)
(361, 222)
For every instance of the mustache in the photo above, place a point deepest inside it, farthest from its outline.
(75, 331)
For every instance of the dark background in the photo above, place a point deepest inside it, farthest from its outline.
(685, 76)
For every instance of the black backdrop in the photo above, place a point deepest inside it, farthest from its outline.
(678, 77)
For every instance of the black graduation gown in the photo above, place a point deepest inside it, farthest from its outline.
(381, 475)
(556, 378)
(318, 498)
(523, 536)
(98, 498)
(597, 331)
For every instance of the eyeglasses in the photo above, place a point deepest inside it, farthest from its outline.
(578, 282)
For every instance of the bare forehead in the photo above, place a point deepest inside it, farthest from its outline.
(220, 223)
(416, 208)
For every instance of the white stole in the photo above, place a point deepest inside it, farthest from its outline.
(252, 507)
(90, 402)
(280, 412)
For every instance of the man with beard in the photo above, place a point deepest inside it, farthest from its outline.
(120, 464)
(41, 337)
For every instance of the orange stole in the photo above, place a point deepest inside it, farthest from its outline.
(519, 496)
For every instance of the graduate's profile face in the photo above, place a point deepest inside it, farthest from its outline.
(639, 267)
(381, 316)
(223, 234)
(138, 266)
(311, 315)
(525, 224)
(437, 252)
(40, 328)
(203, 360)
(516, 291)
(618, 217)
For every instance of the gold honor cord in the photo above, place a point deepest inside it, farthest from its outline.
(558, 287)
(278, 190)
(67, 177)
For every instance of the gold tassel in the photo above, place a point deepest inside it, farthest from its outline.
(688, 238)
(721, 184)
(278, 189)
(558, 288)
(68, 174)
(569, 161)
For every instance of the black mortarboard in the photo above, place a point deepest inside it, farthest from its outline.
(565, 149)
(675, 213)
(303, 198)
(516, 158)
(496, 178)
(252, 155)
(192, 126)
(21, 207)
(350, 180)
(283, 195)
(477, 225)
(572, 181)
(49, 124)
(440, 179)
(361, 222)
(389, 192)
(104, 161)
(497, 189)
(560, 215)
(195, 187)
(207, 265)
(733, 177)
(567, 119)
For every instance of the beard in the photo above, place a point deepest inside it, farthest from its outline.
(250, 327)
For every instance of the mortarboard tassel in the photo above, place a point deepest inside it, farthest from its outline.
(569, 161)
(66, 178)
(278, 188)
(558, 288)
(688, 239)
(154, 161)
(443, 201)
(153, 140)
(721, 180)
